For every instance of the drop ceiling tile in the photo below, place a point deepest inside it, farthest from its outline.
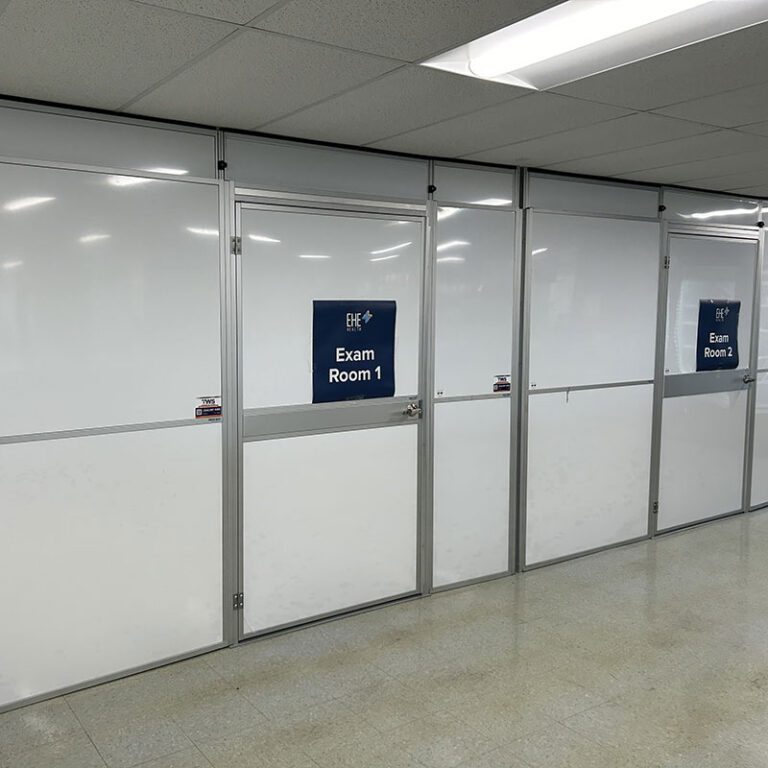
(95, 53)
(706, 145)
(527, 117)
(256, 77)
(709, 167)
(759, 191)
(237, 11)
(720, 64)
(733, 181)
(636, 130)
(409, 30)
(399, 101)
(761, 129)
(727, 110)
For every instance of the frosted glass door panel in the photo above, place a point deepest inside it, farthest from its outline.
(290, 259)
(110, 554)
(589, 465)
(594, 287)
(706, 268)
(471, 501)
(760, 460)
(109, 299)
(702, 457)
(329, 522)
(474, 309)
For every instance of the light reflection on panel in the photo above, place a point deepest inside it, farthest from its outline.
(471, 483)
(474, 301)
(593, 300)
(589, 464)
(329, 522)
(475, 186)
(109, 301)
(290, 259)
(703, 268)
(691, 208)
(760, 461)
(110, 554)
(702, 455)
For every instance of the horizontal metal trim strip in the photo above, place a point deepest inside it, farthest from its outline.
(472, 582)
(585, 553)
(713, 231)
(588, 387)
(704, 382)
(694, 523)
(255, 438)
(761, 507)
(282, 196)
(70, 433)
(469, 398)
(594, 215)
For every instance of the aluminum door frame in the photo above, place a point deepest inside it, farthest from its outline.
(325, 418)
(717, 233)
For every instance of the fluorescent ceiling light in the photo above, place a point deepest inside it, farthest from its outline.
(446, 213)
(579, 38)
(26, 202)
(450, 259)
(127, 181)
(92, 238)
(263, 239)
(203, 231)
(169, 171)
(392, 248)
(386, 258)
(493, 201)
(313, 256)
(450, 244)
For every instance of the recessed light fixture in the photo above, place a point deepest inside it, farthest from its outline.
(450, 259)
(263, 239)
(386, 258)
(579, 38)
(450, 244)
(92, 238)
(26, 202)
(127, 181)
(313, 256)
(169, 171)
(391, 248)
(203, 231)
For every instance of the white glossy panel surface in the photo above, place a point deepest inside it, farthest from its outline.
(474, 312)
(691, 208)
(762, 348)
(760, 460)
(304, 168)
(471, 487)
(704, 268)
(553, 193)
(456, 184)
(702, 457)
(329, 522)
(278, 287)
(593, 300)
(110, 556)
(589, 465)
(34, 135)
(109, 305)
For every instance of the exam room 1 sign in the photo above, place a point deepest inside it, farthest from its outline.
(717, 347)
(353, 350)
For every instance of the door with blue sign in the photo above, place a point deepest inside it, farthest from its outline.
(331, 368)
(709, 360)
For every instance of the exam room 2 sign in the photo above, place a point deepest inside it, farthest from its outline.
(717, 346)
(353, 350)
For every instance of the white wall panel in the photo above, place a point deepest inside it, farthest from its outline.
(308, 168)
(760, 460)
(109, 299)
(693, 208)
(474, 311)
(762, 351)
(33, 135)
(471, 489)
(110, 554)
(477, 186)
(555, 193)
(593, 300)
(353, 260)
(702, 457)
(589, 463)
(329, 522)
(706, 268)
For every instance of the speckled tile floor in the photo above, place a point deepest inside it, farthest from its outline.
(654, 654)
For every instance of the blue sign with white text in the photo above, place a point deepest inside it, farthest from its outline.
(353, 350)
(717, 347)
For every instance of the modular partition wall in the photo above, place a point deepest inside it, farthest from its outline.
(170, 479)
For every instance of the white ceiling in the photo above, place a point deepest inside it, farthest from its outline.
(345, 71)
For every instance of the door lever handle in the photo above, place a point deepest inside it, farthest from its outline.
(413, 410)
(749, 379)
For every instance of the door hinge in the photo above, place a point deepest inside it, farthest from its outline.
(237, 246)
(667, 261)
(655, 508)
(237, 601)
